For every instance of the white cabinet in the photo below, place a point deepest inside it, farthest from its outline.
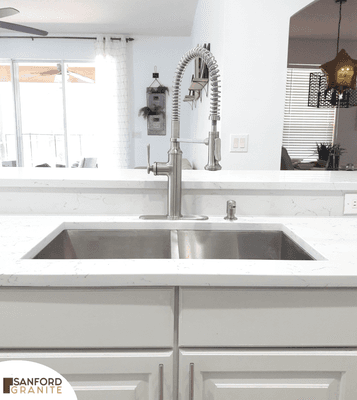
(135, 375)
(268, 344)
(222, 343)
(268, 375)
(109, 343)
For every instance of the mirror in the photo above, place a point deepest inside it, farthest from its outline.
(312, 42)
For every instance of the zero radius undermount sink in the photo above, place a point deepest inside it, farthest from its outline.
(162, 243)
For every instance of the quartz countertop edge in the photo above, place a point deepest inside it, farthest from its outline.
(333, 238)
(95, 178)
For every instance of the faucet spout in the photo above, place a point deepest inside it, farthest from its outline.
(214, 142)
(210, 61)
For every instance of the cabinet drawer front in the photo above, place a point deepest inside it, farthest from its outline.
(86, 318)
(268, 317)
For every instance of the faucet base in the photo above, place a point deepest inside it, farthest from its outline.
(216, 167)
(183, 217)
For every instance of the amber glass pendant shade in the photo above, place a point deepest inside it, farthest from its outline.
(335, 86)
(341, 72)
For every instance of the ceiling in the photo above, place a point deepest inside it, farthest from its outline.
(319, 20)
(140, 17)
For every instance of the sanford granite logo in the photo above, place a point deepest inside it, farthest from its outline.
(22, 377)
(32, 385)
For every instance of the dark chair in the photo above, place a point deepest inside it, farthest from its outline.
(286, 162)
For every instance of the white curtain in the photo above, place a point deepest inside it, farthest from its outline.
(113, 113)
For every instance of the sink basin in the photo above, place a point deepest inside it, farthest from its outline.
(259, 245)
(106, 244)
(183, 244)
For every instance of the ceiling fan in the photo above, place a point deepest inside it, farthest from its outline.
(7, 12)
(54, 75)
(58, 75)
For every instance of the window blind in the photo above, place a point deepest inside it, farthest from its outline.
(304, 126)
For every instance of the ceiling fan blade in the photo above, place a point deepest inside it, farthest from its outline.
(51, 72)
(22, 28)
(6, 12)
(81, 77)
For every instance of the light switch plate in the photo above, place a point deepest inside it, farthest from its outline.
(238, 144)
(350, 203)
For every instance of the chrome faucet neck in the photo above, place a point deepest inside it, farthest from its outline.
(210, 61)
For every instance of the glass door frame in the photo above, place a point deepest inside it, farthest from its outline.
(14, 64)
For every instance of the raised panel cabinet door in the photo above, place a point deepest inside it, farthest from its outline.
(268, 375)
(135, 375)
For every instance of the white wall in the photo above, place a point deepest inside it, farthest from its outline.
(250, 41)
(164, 53)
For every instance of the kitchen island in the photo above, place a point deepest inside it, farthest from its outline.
(185, 328)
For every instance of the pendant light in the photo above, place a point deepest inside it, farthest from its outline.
(335, 87)
(342, 70)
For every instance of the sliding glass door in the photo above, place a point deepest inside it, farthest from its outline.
(41, 119)
(48, 112)
(7, 116)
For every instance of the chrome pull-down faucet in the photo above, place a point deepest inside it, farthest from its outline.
(173, 167)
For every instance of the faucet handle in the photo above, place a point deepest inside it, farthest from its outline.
(149, 167)
(217, 149)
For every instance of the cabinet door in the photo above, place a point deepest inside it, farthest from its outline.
(268, 375)
(110, 375)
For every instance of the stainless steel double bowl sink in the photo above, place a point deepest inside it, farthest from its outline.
(172, 244)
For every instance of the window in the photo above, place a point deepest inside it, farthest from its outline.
(304, 126)
(7, 115)
(54, 118)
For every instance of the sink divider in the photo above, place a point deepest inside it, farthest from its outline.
(174, 244)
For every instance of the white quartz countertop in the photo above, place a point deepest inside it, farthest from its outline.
(332, 240)
(95, 178)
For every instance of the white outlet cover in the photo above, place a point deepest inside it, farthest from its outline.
(350, 203)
